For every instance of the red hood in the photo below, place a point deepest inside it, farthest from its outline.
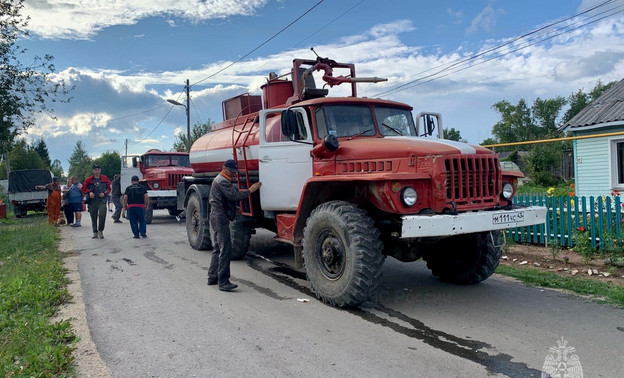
(167, 170)
(396, 147)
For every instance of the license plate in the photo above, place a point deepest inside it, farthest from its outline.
(507, 218)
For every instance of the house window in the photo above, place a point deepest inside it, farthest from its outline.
(618, 163)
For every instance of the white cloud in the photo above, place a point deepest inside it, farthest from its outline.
(485, 20)
(81, 19)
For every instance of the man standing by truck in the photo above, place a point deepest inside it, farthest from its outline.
(97, 187)
(223, 199)
(135, 200)
(116, 197)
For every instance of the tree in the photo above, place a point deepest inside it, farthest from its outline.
(109, 162)
(42, 149)
(520, 123)
(57, 169)
(22, 156)
(452, 134)
(197, 131)
(516, 124)
(580, 100)
(25, 89)
(79, 162)
(546, 112)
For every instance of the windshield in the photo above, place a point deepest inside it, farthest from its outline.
(356, 120)
(344, 121)
(167, 160)
(393, 121)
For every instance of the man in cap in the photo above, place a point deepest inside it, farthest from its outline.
(135, 200)
(223, 199)
(97, 187)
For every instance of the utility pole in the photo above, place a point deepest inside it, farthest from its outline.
(187, 107)
(188, 116)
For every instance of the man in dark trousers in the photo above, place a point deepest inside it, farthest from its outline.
(97, 187)
(224, 197)
(135, 200)
(116, 197)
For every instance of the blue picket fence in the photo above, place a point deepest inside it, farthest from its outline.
(567, 215)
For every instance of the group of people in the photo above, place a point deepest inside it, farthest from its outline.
(95, 191)
(224, 197)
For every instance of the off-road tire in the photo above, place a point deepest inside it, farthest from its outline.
(149, 214)
(20, 211)
(466, 259)
(342, 254)
(197, 225)
(240, 235)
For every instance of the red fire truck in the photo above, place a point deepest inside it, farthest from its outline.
(160, 172)
(349, 181)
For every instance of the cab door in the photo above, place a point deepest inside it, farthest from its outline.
(285, 165)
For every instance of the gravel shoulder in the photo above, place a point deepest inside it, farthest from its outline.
(87, 359)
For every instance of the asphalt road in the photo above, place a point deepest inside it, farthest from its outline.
(151, 314)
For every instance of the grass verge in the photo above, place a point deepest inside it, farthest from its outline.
(603, 292)
(32, 286)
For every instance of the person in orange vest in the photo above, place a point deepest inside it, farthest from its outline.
(53, 203)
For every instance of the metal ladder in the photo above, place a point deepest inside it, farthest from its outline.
(237, 135)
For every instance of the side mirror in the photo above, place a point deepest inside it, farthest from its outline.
(429, 125)
(289, 121)
(134, 162)
(330, 142)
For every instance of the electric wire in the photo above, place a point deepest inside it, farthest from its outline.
(262, 44)
(437, 75)
(463, 61)
(236, 61)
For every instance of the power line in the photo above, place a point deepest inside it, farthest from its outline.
(239, 59)
(471, 58)
(260, 45)
(422, 81)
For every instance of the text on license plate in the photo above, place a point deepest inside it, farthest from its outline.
(517, 217)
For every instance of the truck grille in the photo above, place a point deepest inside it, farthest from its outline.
(173, 179)
(472, 179)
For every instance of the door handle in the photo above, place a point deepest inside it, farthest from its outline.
(265, 159)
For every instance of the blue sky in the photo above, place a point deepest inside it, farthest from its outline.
(125, 58)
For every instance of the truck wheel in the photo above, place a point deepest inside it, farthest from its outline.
(197, 228)
(149, 214)
(18, 211)
(342, 254)
(466, 259)
(240, 233)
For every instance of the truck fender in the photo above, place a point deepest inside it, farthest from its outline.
(204, 192)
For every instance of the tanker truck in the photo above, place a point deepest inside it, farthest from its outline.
(349, 181)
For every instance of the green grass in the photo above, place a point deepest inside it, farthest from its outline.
(32, 286)
(602, 291)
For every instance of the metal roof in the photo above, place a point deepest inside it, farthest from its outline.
(607, 108)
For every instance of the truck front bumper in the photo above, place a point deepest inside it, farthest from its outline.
(162, 199)
(420, 226)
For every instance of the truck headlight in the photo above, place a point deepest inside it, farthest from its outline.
(508, 190)
(408, 196)
(155, 185)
